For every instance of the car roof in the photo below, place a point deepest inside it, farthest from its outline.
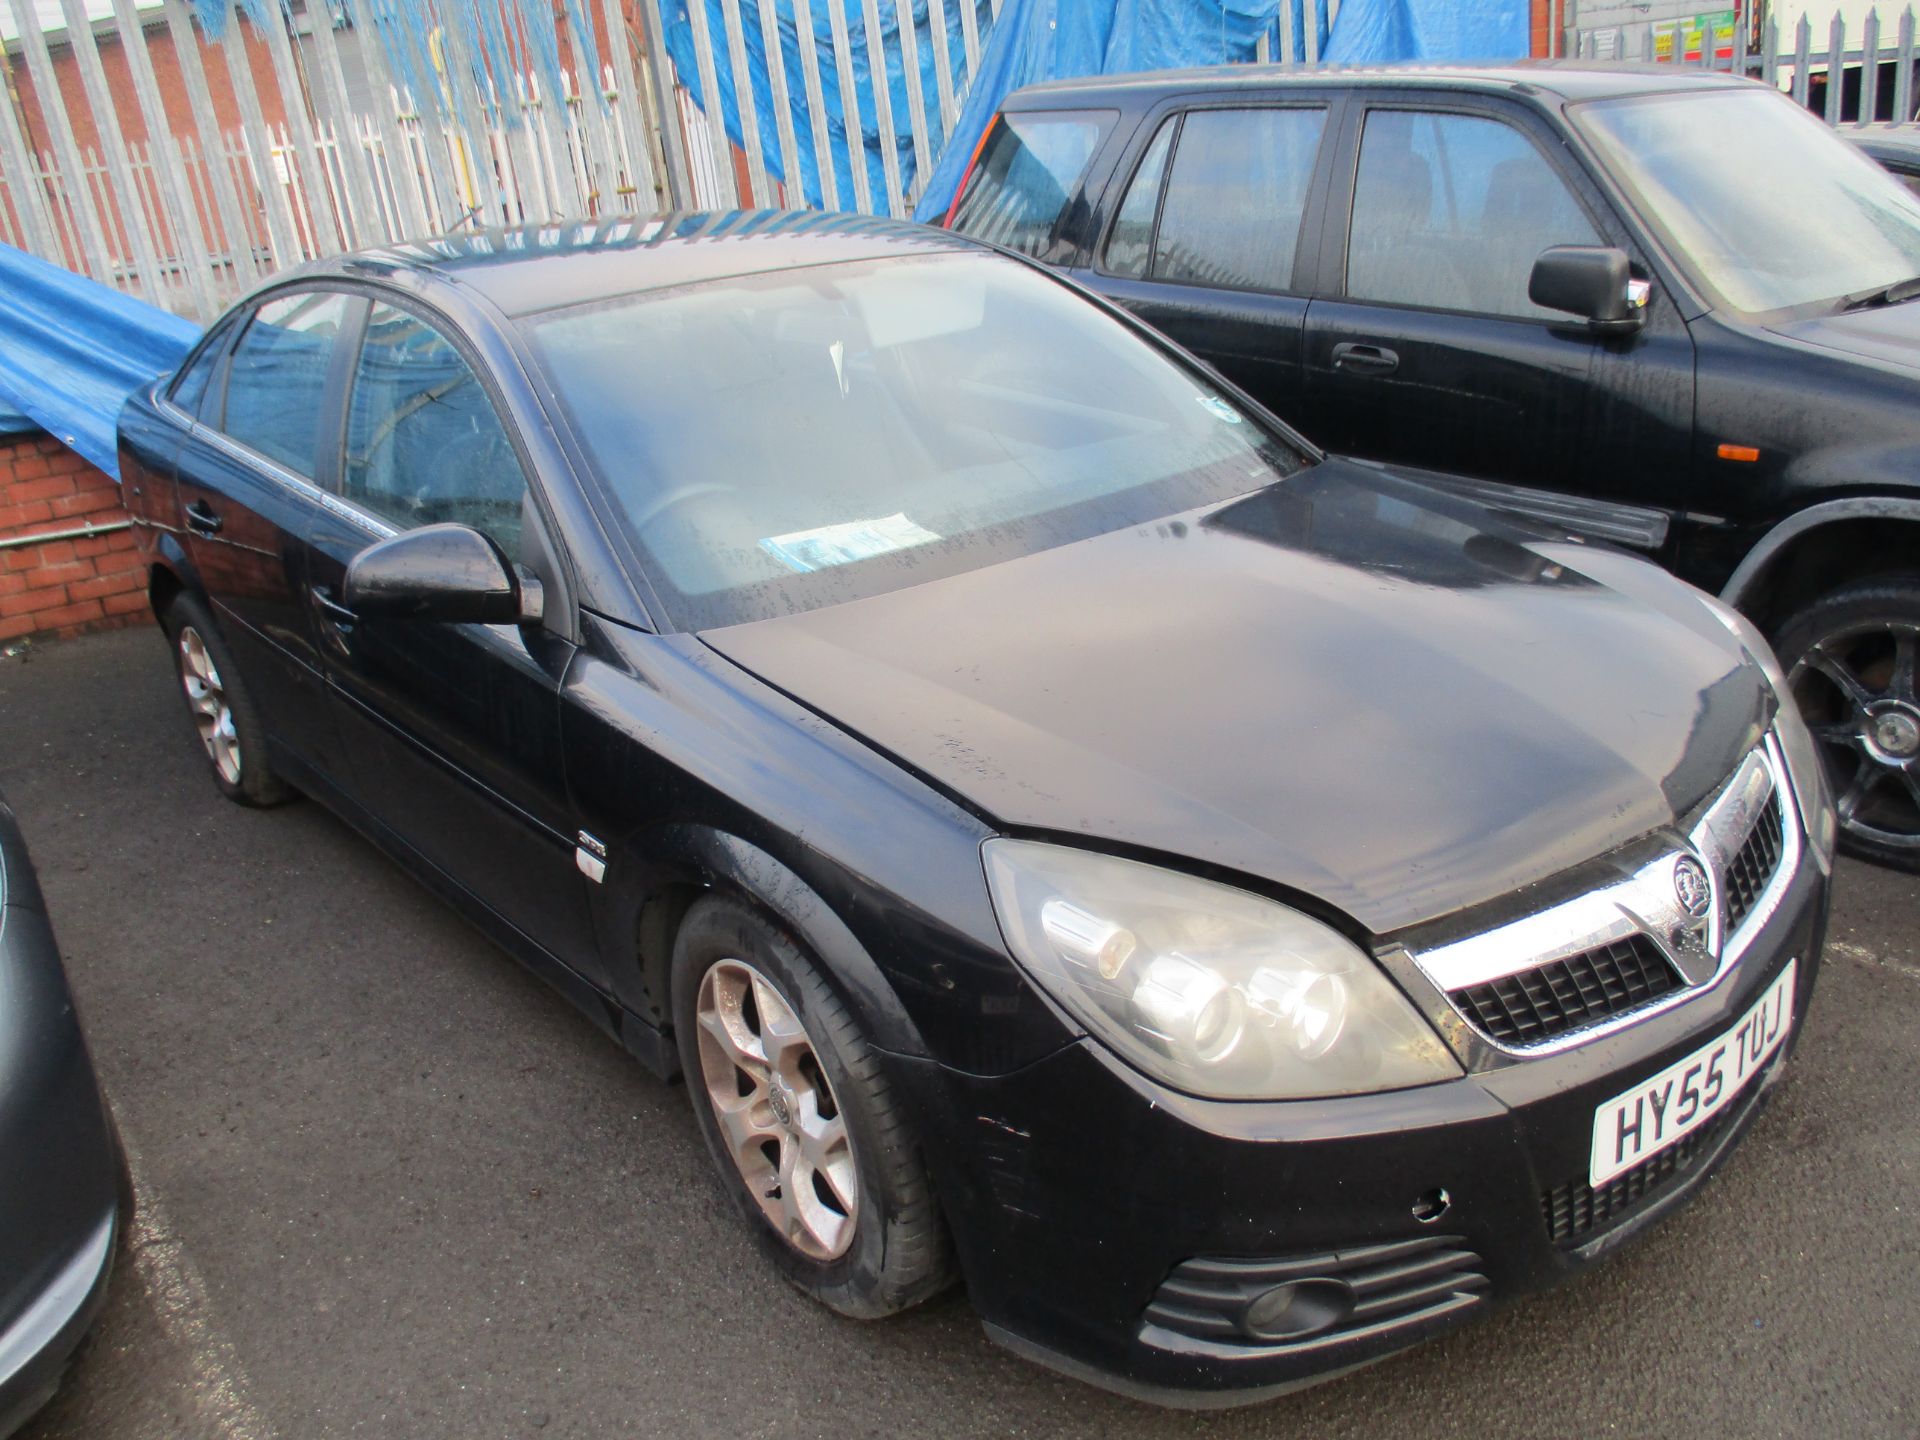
(1885, 138)
(526, 268)
(1567, 79)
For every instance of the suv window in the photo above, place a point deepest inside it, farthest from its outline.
(1451, 211)
(1021, 184)
(1130, 242)
(1233, 204)
(277, 379)
(424, 444)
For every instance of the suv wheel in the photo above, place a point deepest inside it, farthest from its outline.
(802, 1124)
(222, 711)
(1851, 658)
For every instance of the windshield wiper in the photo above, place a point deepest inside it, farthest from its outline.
(1882, 295)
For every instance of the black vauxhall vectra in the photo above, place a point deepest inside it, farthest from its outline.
(1241, 911)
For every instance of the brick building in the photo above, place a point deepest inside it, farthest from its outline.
(167, 73)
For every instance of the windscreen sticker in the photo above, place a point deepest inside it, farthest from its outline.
(1219, 408)
(831, 545)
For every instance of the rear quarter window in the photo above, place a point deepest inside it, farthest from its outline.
(189, 392)
(1028, 171)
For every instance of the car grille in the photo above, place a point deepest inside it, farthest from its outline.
(1562, 996)
(1575, 1210)
(1383, 1287)
(1752, 869)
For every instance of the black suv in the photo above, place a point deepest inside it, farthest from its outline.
(1656, 308)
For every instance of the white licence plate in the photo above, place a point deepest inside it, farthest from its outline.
(1662, 1109)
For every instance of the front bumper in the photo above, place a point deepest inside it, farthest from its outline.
(1078, 1190)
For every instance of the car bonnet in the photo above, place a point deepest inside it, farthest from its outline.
(1346, 684)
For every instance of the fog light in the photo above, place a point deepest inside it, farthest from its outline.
(1298, 1309)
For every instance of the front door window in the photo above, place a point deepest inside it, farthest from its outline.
(1450, 212)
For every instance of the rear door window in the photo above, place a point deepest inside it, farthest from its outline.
(1232, 206)
(1031, 167)
(277, 378)
(1450, 211)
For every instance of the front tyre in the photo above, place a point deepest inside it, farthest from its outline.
(801, 1122)
(222, 710)
(1850, 659)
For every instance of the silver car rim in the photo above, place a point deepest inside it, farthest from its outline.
(1857, 689)
(207, 698)
(778, 1117)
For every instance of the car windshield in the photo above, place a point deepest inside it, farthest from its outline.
(1765, 204)
(782, 441)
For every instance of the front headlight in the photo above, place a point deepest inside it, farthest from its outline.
(1804, 766)
(1212, 990)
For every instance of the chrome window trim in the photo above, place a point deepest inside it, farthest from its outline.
(1644, 903)
(274, 470)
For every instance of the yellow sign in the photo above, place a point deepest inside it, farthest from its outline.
(1686, 40)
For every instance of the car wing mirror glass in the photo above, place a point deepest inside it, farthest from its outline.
(439, 572)
(1593, 282)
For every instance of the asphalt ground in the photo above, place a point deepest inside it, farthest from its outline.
(390, 1185)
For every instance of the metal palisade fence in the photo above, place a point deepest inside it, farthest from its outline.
(183, 162)
(182, 150)
(1853, 69)
(125, 168)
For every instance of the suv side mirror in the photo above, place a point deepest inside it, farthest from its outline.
(439, 572)
(1594, 282)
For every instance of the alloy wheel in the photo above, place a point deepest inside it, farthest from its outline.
(1856, 688)
(207, 699)
(782, 1126)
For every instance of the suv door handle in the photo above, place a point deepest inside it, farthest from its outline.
(1364, 359)
(202, 520)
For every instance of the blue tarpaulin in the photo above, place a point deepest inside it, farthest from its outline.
(72, 350)
(1037, 40)
(681, 46)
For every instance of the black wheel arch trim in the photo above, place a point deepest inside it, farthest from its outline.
(170, 557)
(721, 861)
(1752, 571)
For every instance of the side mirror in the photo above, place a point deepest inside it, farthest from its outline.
(439, 572)
(1594, 282)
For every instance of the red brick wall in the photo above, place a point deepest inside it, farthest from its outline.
(1540, 22)
(56, 588)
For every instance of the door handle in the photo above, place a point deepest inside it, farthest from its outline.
(341, 615)
(1364, 359)
(202, 520)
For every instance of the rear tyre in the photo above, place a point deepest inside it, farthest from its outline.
(223, 713)
(805, 1130)
(1851, 658)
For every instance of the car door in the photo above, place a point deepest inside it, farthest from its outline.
(1204, 239)
(1423, 347)
(247, 497)
(452, 730)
